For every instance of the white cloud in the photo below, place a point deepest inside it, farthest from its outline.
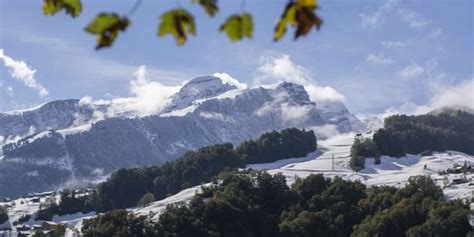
(413, 19)
(271, 106)
(411, 71)
(461, 94)
(147, 97)
(325, 131)
(288, 112)
(228, 79)
(393, 44)
(20, 71)
(323, 93)
(294, 112)
(373, 19)
(379, 59)
(281, 68)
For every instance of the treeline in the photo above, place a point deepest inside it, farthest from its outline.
(404, 134)
(420, 134)
(126, 187)
(259, 204)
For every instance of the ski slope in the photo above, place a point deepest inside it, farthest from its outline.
(156, 208)
(391, 171)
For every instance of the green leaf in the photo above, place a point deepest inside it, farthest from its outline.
(238, 26)
(177, 23)
(299, 14)
(72, 7)
(107, 26)
(210, 6)
(247, 25)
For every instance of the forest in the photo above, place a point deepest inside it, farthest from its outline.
(260, 204)
(404, 134)
(420, 134)
(132, 186)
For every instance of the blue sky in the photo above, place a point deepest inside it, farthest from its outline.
(380, 54)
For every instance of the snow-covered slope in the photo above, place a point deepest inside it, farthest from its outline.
(392, 171)
(54, 115)
(336, 112)
(205, 111)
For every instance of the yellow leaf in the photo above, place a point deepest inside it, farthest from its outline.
(72, 7)
(307, 3)
(288, 17)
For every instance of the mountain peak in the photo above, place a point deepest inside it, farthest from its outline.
(202, 87)
(295, 91)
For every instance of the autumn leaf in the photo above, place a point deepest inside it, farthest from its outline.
(299, 14)
(210, 6)
(307, 3)
(238, 26)
(178, 23)
(107, 26)
(72, 7)
(288, 17)
(247, 25)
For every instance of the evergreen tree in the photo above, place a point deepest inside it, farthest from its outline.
(3, 214)
(146, 199)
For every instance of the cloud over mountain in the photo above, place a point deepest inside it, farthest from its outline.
(281, 68)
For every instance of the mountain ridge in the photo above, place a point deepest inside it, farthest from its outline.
(97, 149)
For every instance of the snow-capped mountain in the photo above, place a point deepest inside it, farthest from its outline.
(54, 115)
(205, 111)
(337, 113)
